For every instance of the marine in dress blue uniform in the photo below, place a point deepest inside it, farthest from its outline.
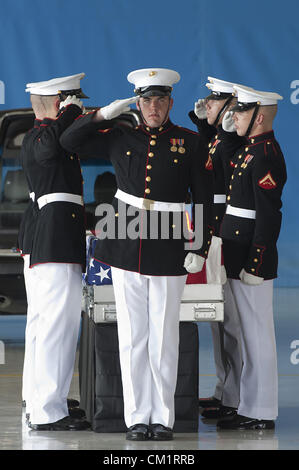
(250, 230)
(57, 253)
(209, 116)
(155, 165)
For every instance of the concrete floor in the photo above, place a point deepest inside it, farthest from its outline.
(15, 435)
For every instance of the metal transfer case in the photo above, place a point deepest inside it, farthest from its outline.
(201, 300)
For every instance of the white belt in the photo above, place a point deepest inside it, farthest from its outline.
(219, 198)
(32, 196)
(246, 213)
(59, 197)
(149, 204)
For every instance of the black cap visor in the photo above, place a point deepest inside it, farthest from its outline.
(153, 90)
(218, 95)
(77, 92)
(240, 107)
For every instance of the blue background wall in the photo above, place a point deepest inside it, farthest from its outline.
(255, 44)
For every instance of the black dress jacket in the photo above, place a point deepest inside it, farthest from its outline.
(256, 185)
(158, 164)
(59, 234)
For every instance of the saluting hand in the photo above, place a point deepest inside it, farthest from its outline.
(116, 108)
(200, 109)
(228, 123)
(71, 100)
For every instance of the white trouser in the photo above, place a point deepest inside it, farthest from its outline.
(29, 334)
(259, 378)
(228, 352)
(57, 313)
(148, 330)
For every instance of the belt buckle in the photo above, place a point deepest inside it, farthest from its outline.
(147, 203)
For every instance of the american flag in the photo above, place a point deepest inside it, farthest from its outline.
(97, 273)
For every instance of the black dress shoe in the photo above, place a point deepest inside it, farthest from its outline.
(220, 412)
(240, 422)
(65, 424)
(161, 433)
(210, 402)
(138, 432)
(77, 413)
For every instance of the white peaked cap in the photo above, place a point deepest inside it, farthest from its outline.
(221, 86)
(153, 77)
(55, 85)
(249, 95)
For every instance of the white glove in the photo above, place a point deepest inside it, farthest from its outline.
(117, 107)
(71, 100)
(228, 123)
(193, 263)
(200, 109)
(250, 279)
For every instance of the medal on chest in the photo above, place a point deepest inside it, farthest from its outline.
(213, 146)
(247, 159)
(177, 145)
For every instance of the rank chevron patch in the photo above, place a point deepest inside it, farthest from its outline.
(267, 182)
